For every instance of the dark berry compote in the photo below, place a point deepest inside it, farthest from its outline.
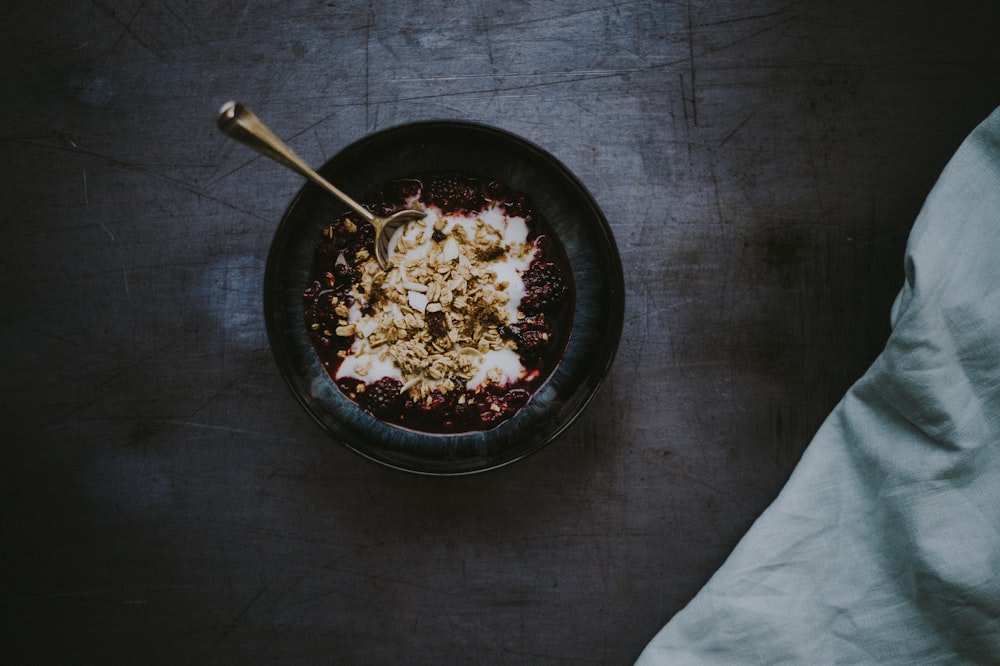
(471, 318)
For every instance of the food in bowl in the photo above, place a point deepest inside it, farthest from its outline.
(467, 324)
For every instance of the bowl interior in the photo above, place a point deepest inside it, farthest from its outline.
(570, 213)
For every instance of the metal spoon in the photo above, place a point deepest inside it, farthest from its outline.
(238, 122)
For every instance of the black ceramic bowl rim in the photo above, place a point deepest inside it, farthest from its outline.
(570, 212)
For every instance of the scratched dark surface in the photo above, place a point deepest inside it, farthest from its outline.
(165, 499)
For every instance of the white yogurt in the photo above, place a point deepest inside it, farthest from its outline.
(368, 363)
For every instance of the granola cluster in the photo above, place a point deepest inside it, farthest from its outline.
(469, 320)
(435, 315)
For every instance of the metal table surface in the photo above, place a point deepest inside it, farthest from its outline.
(166, 500)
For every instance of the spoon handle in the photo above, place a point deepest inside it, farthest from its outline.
(239, 123)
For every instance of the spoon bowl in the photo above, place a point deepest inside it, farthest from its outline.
(384, 227)
(240, 123)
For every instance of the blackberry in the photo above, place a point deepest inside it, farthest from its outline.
(492, 409)
(459, 417)
(497, 405)
(396, 193)
(384, 397)
(320, 315)
(364, 239)
(324, 307)
(519, 206)
(453, 194)
(434, 402)
(433, 411)
(532, 344)
(516, 398)
(531, 334)
(344, 239)
(345, 274)
(392, 197)
(544, 288)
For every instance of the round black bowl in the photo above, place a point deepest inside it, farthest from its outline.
(569, 211)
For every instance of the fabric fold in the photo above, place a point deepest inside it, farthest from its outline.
(884, 545)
